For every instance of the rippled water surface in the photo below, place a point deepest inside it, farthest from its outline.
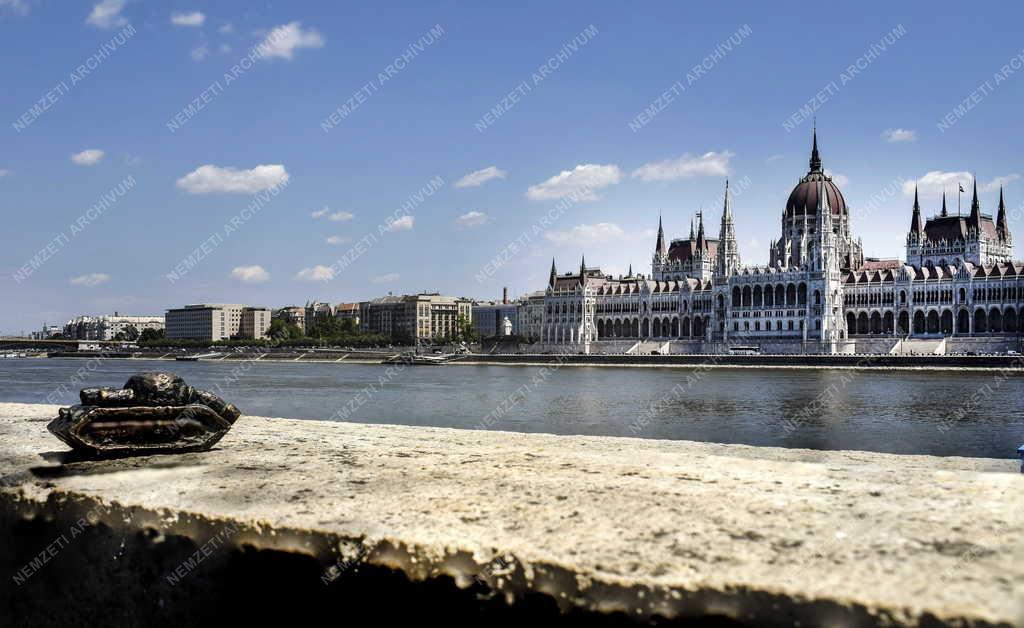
(926, 412)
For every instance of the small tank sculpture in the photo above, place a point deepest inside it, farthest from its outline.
(153, 413)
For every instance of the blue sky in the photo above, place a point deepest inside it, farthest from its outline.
(421, 124)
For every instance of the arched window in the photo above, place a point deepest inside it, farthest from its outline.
(919, 324)
(980, 322)
(946, 324)
(963, 322)
(736, 296)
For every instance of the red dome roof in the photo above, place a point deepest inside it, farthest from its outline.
(804, 197)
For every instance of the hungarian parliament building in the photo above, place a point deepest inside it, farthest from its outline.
(959, 289)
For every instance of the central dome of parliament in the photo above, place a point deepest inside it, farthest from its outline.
(803, 200)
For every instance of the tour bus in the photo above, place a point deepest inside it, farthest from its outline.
(744, 350)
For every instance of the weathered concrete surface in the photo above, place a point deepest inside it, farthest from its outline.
(650, 528)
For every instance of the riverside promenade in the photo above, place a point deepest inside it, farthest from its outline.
(444, 524)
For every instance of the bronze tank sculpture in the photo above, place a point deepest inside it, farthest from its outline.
(153, 413)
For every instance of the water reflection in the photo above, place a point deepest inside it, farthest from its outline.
(928, 412)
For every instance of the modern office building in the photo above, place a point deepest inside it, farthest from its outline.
(255, 322)
(492, 319)
(205, 321)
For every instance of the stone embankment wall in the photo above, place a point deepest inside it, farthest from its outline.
(349, 523)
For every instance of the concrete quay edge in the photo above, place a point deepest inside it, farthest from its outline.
(642, 528)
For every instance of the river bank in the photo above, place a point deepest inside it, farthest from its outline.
(406, 521)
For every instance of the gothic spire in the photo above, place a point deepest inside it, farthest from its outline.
(583, 270)
(692, 236)
(975, 218)
(727, 208)
(916, 224)
(659, 246)
(701, 242)
(1002, 228)
(944, 212)
(815, 157)
(728, 251)
(554, 274)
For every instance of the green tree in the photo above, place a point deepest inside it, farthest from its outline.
(281, 329)
(150, 335)
(131, 333)
(465, 330)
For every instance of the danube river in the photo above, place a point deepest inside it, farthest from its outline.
(922, 412)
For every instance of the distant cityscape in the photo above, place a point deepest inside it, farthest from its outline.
(958, 291)
(410, 318)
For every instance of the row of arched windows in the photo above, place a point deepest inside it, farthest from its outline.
(779, 295)
(992, 321)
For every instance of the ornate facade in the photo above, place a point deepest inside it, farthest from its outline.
(817, 293)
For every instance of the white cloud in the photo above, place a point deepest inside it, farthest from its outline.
(899, 135)
(225, 48)
(385, 278)
(839, 179)
(687, 166)
(472, 219)
(579, 183)
(107, 14)
(772, 159)
(250, 274)
(402, 224)
(338, 239)
(284, 40)
(479, 177)
(193, 18)
(88, 157)
(4, 172)
(225, 28)
(933, 183)
(200, 52)
(341, 216)
(319, 213)
(209, 179)
(316, 273)
(91, 280)
(17, 6)
(587, 234)
(999, 182)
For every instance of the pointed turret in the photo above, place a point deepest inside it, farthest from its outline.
(815, 162)
(728, 250)
(692, 235)
(974, 221)
(630, 271)
(702, 243)
(1002, 227)
(583, 270)
(944, 211)
(659, 247)
(916, 224)
(554, 274)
